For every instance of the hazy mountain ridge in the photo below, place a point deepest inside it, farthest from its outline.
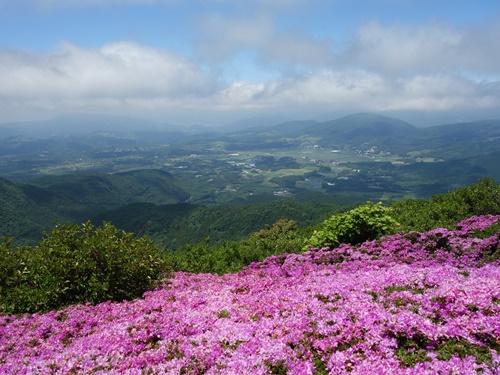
(448, 140)
(458, 140)
(64, 125)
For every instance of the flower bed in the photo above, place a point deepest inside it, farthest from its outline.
(412, 303)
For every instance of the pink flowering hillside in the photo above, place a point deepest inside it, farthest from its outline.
(411, 303)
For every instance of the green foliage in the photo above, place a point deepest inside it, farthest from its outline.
(415, 350)
(78, 196)
(278, 368)
(19, 216)
(77, 264)
(177, 225)
(445, 210)
(363, 223)
(223, 314)
(481, 198)
(463, 348)
(283, 237)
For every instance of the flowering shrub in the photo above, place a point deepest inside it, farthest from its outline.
(411, 303)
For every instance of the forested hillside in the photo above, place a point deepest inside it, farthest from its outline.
(176, 225)
(28, 209)
(20, 217)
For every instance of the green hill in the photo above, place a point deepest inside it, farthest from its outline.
(28, 209)
(361, 128)
(447, 142)
(144, 202)
(78, 196)
(20, 217)
(432, 178)
(175, 225)
(460, 140)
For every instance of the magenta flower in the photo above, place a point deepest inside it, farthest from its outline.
(412, 303)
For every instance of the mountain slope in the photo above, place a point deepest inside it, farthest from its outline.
(361, 128)
(20, 217)
(348, 131)
(175, 225)
(460, 140)
(452, 141)
(77, 196)
(413, 303)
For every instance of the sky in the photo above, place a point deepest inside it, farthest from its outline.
(216, 61)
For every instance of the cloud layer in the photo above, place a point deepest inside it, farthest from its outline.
(426, 67)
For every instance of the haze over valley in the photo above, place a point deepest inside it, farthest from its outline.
(103, 168)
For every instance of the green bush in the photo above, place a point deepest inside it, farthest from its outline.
(363, 223)
(78, 264)
(445, 210)
(481, 198)
(283, 237)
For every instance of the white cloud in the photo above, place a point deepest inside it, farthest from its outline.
(117, 70)
(431, 67)
(296, 48)
(130, 78)
(222, 38)
(393, 50)
(359, 90)
(427, 48)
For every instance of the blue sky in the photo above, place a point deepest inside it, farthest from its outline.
(215, 61)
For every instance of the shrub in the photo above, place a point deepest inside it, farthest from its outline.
(363, 223)
(78, 264)
(283, 237)
(481, 198)
(444, 210)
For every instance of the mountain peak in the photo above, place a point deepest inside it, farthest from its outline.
(370, 117)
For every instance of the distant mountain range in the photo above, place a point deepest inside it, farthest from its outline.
(66, 133)
(460, 140)
(465, 153)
